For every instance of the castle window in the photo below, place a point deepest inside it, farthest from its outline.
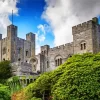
(19, 50)
(42, 52)
(19, 59)
(47, 64)
(60, 61)
(34, 68)
(3, 59)
(14, 52)
(83, 46)
(4, 50)
(33, 62)
(56, 62)
(26, 53)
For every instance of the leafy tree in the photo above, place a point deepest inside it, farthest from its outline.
(5, 71)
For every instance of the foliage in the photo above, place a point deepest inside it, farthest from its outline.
(18, 96)
(13, 79)
(5, 71)
(4, 93)
(14, 84)
(77, 79)
(34, 98)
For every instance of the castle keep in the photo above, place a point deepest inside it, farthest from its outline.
(86, 38)
(14, 48)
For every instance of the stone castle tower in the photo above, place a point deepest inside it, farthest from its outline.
(14, 48)
(86, 37)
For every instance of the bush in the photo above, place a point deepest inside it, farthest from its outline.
(77, 79)
(4, 93)
(34, 98)
(5, 71)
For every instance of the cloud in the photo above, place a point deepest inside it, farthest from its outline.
(41, 35)
(6, 7)
(63, 14)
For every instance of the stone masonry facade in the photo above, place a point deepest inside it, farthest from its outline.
(14, 48)
(86, 38)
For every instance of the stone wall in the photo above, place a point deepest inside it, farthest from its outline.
(48, 55)
(21, 68)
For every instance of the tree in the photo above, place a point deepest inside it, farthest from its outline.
(5, 70)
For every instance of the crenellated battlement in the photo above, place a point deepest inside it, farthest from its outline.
(4, 39)
(84, 26)
(62, 47)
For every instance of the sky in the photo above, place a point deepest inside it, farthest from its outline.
(50, 20)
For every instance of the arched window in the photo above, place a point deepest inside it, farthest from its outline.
(26, 53)
(33, 62)
(34, 68)
(3, 59)
(19, 50)
(58, 60)
(4, 50)
(19, 59)
(47, 64)
(42, 52)
(83, 45)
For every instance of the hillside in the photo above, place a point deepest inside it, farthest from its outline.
(77, 79)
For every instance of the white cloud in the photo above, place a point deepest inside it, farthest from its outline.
(6, 7)
(41, 35)
(63, 14)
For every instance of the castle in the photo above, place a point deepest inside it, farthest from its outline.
(86, 38)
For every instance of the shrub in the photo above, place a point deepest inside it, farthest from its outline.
(77, 79)
(4, 93)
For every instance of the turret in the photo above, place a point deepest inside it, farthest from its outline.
(11, 31)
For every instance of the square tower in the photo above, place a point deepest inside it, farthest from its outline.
(86, 37)
(31, 38)
(11, 42)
